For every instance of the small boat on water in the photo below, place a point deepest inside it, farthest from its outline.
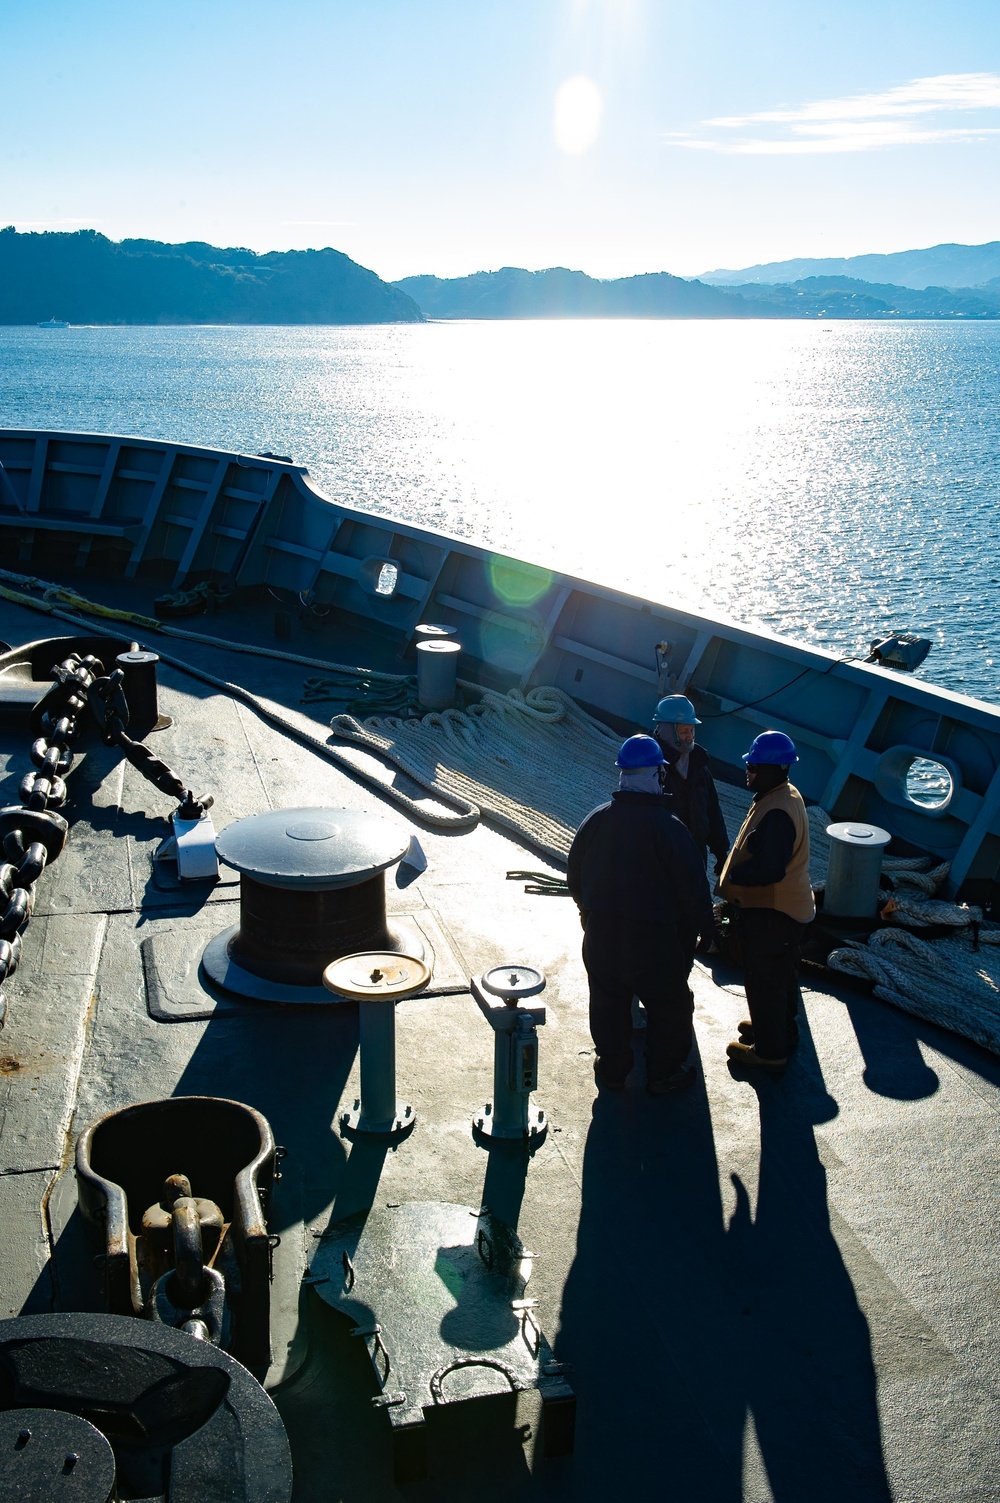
(773, 1289)
(53, 323)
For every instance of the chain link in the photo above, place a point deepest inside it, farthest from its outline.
(34, 833)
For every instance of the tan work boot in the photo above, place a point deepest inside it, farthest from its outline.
(746, 1054)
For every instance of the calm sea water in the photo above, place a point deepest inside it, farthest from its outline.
(831, 482)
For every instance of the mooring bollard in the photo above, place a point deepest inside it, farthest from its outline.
(377, 980)
(852, 881)
(510, 1116)
(437, 673)
(139, 684)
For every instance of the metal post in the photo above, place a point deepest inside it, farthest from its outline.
(852, 880)
(377, 1029)
(377, 980)
(510, 1111)
(510, 1116)
(437, 670)
(139, 685)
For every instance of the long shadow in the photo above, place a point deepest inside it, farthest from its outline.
(646, 1306)
(802, 1343)
(684, 1331)
(292, 1065)
(888, 1040)
(505, 1182)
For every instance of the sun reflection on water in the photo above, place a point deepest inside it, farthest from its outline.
(831, 482)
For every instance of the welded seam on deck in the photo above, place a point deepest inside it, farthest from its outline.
(69, 1142)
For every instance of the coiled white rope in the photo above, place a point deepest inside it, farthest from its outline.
(535, 762)
(946, 982)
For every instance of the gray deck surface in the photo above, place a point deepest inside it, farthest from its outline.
(779, 1289)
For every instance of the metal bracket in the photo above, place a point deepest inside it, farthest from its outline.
(504, 1016)
(357, 1127)
(192, 846)
(388, 1400)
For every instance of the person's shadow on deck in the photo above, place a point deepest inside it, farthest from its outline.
(685, 1333)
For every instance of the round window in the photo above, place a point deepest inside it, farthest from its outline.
(928, 784)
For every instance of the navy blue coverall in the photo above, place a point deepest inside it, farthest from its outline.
(639, 881)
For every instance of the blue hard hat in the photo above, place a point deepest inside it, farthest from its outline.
(639, 751)
(675, 710)
(772, 749)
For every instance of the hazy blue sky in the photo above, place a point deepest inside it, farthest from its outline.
(450, 136)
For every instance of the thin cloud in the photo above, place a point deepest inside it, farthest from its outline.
(858, 122)
(340, 224)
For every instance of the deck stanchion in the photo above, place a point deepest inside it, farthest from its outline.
(377, 980)
(510, 1117)
(852, 881)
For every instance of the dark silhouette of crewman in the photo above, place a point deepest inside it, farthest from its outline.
(639, 882)
(687, 777)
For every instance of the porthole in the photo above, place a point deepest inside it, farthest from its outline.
(379, 577)
(929, 784)
(907, 777)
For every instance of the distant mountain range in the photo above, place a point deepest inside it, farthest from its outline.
(558, 293)
(86, 278)
(937, 266)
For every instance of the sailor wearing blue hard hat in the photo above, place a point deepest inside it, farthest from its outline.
(639, 882)
(686, 776)
(767, 874)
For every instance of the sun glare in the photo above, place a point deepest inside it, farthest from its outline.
(578, 110)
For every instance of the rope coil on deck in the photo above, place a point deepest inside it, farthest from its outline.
(946, 982)
(535, 762)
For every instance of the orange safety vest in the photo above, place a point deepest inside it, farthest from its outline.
(793, 894)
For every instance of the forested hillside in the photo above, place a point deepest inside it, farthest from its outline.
(86, 278)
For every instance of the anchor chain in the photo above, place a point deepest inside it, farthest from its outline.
(109, 708)
(34, 833)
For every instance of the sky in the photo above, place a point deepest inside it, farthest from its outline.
(453, 136)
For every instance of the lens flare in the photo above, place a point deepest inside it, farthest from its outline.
(517, 584)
